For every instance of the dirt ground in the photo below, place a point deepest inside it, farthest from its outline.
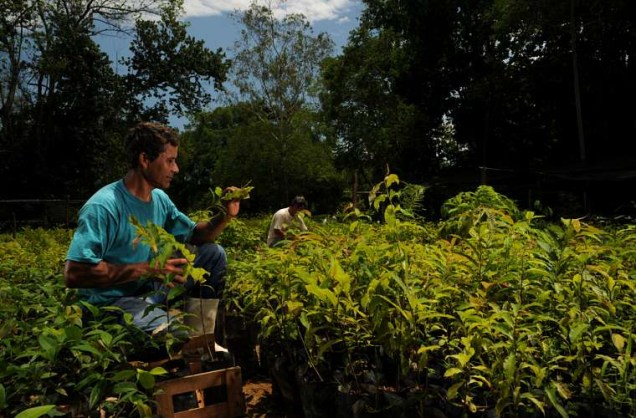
(259, 401)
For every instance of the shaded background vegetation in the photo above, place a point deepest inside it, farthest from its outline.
(532, 97)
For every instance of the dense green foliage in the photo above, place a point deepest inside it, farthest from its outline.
(491, 309)
(50, 353)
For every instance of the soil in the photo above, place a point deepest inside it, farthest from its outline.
(260, 402)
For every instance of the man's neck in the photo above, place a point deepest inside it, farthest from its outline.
(137, 185)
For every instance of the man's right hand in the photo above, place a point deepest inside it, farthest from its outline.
(173, 266)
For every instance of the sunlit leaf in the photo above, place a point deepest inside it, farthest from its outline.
(36, 412)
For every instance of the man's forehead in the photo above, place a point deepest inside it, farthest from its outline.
(170, 149)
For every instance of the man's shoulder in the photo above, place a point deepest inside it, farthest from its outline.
(160, 195)
(106, 195)
(161, 199)
(283, 211)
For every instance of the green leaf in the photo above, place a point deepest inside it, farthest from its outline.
(88, 348)
(238, 193)
(158, 371)
(577, 331)
(552, 397)
(327, 346)
(304, 320)
(293, 307)
(73, 333)
(103, 336)
(539, 404)
(96, 395)
(3, 397)
(144, 409)
(606, 390)
(147, 380)
(510, 366)
(124, 375)
(322, 294)
(451, 393)
(48, 345)
(36, 412)
(619, 341)
(340, 276)
(464, 358)
(452, 372)
(391, 179)
(562, 389)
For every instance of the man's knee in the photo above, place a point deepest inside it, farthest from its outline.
(211, 257)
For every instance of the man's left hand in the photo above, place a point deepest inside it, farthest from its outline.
(232, 206)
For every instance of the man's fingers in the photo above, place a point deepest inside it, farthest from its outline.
(176, 280)
(179, 279)
(177, 261)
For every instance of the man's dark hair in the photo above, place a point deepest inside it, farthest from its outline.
(299, 201)
(149, 138)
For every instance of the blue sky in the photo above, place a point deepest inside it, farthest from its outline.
(210, 20)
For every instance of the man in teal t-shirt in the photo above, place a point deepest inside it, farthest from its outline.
(103, 261)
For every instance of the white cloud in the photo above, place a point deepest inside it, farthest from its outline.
(313, 10)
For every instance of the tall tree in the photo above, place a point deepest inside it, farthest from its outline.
(275, 70)
(64, 110)
(169, 70)
(387, 94)
(369, 121)
(528, 86)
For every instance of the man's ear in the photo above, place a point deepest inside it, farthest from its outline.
(143, 160)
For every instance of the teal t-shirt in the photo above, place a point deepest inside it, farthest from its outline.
(104, 232)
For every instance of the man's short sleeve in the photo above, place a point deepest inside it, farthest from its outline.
(279, 221)
(90, 241)
(176, 222)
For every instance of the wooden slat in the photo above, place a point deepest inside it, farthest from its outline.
(230, 378)
(216, 410)
(235, 397)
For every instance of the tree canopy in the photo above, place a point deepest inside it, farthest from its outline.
(535, 89)
(65, 110)
(530, 96)
(270, 135)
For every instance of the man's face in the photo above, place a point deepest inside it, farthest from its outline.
(160, 172)
(295, 208)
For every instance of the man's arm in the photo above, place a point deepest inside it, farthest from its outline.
(210, 230)
(279, 233)
(104, 274)
(303, 227)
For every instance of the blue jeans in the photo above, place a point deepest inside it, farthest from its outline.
(148, 310)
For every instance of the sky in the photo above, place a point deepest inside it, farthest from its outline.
(211, 21)
(314, 10)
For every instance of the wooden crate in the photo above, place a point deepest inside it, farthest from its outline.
(218, 393)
